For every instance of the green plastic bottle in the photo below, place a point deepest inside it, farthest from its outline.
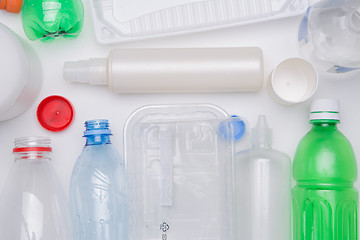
(49, 19)
(325, 202)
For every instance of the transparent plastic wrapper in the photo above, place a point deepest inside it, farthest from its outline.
(33, 204)
(180, 167)
(124, 20)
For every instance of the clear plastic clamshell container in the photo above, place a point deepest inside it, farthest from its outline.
(125, 20)
(180, 167)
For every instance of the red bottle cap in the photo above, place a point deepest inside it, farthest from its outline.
(55, 113)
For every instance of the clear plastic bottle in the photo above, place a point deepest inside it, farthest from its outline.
(97, 188)
(325, 202)
(33, 205)
(263, 189)
(329, 35)
(49, 19)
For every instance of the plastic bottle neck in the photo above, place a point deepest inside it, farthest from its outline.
(264, 146)
(97, 139)
(97, 132)
(325, 124)
(32, 148)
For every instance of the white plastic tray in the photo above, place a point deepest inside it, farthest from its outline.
(125, 20)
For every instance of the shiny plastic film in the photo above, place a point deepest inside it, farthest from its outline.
(123, 20)
(180, 168)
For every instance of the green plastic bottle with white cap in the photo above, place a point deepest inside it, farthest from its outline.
(325, 201)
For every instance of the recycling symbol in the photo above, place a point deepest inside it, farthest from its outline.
(164, 227)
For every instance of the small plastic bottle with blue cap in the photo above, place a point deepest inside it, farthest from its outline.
(262, 188)
(97, 188)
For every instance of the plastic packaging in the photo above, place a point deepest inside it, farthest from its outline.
(329, 35)
(180, 166)
(160, 70)
(293, 81)
(20, 75)
(325, 202)
(55, 113)
(33, 204)
(263, 189)
(49, 19)
(125, 20)
(97, 188)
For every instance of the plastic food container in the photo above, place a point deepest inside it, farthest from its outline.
(180, 165)
(20, 75)
(125, 20)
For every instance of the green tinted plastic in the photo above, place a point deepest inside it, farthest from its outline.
(49, 19)
(324, 200)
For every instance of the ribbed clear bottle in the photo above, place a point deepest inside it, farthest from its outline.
(97, 188)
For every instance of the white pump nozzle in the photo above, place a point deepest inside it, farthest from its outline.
(92, 71)
(261, 135)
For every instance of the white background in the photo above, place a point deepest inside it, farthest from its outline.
(278, 39)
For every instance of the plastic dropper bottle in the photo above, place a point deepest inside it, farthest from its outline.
(263, 189)
(161, 70)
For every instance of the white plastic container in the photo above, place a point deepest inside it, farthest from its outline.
(125, 20)
(166, 70)
(20, 75)
(179, 161)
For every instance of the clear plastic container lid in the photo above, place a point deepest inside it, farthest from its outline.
(124, 20)
(180, 161)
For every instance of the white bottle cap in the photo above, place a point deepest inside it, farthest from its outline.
(293, 81)
(325, 109)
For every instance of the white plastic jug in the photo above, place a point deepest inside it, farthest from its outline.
(20, 75)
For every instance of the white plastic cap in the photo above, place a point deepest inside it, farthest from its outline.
(294, 80)
(92, 71)
(325, 109)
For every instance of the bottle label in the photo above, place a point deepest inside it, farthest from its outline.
(339, 69)
(303, 29)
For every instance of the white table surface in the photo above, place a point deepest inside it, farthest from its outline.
(278, 39)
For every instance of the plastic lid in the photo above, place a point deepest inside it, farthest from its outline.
(55, 113)
(236, 125)
(325, 109)
(13, 6)
(293, 81)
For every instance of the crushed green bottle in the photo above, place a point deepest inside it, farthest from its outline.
(50, 19)
(325, 202)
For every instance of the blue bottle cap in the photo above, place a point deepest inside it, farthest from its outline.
(237, 125)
